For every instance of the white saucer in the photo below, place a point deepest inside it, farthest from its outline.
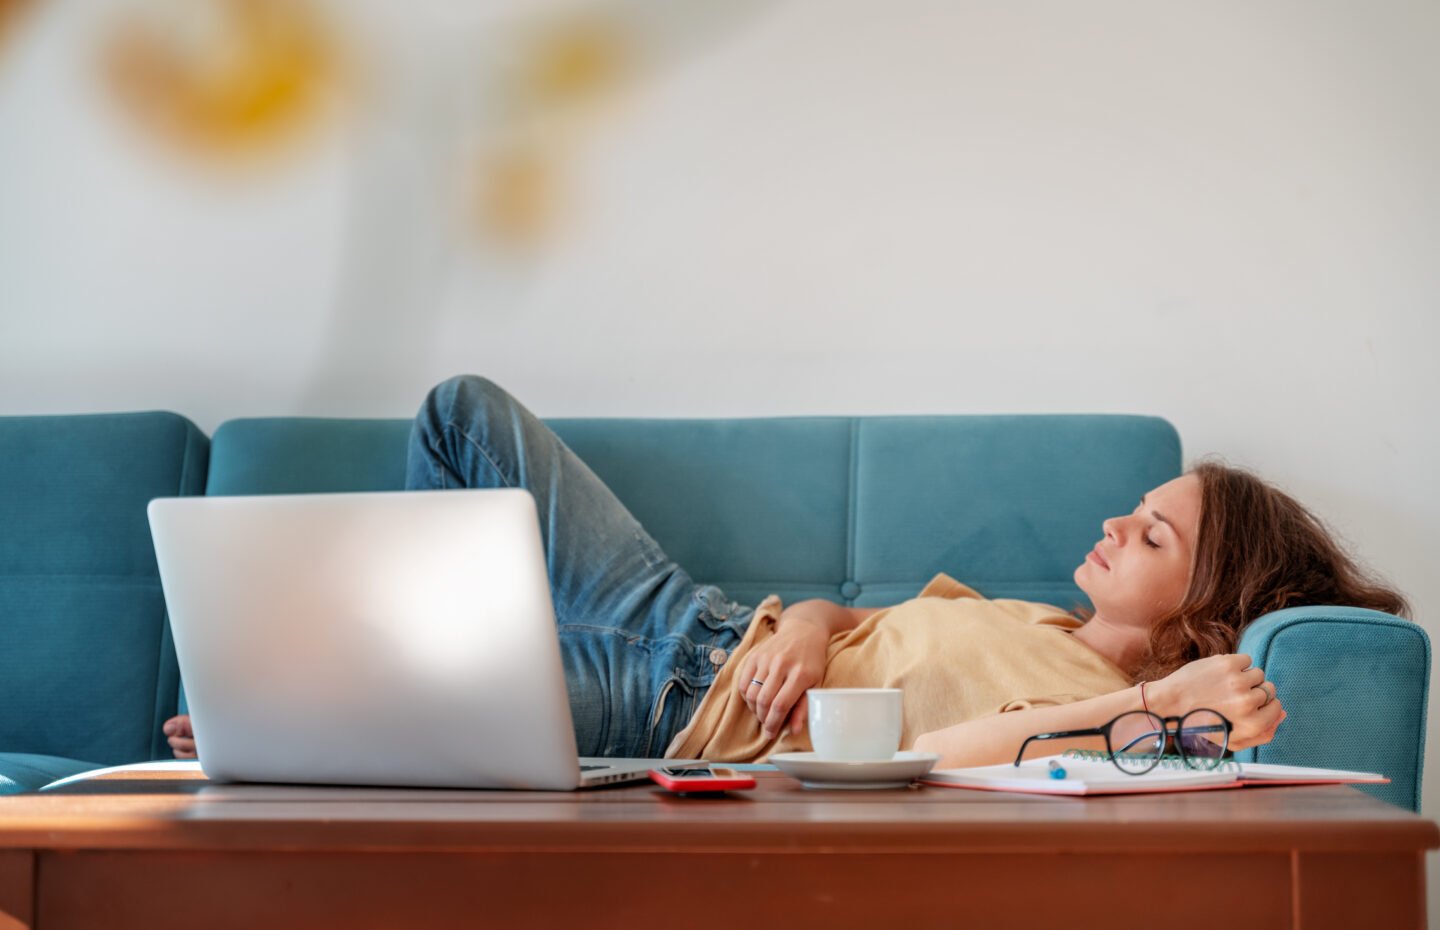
(897, 772)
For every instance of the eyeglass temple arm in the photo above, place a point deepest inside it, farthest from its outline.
(1141, 738)
(1062, 734)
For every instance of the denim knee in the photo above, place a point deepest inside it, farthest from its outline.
(461, 396)
(469, 401)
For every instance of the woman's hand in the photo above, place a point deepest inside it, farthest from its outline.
(1228, 684)
(774, 676)
(180, 736)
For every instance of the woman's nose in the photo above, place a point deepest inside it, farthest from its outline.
(1112, 528)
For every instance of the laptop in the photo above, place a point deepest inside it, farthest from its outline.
(402, 638)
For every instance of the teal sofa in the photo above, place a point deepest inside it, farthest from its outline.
(861, 510)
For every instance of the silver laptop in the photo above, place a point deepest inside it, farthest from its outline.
(400, 638)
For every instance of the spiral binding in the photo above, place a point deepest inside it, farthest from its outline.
(1166, 762)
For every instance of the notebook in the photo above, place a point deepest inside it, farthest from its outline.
(1090, 773)
(400, 639)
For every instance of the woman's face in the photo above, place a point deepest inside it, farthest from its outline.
(1141, 569)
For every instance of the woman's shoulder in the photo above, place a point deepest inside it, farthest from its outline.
(942, 585)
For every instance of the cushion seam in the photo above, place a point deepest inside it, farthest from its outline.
(852, 515)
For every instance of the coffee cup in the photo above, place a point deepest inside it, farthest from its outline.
(854, 724)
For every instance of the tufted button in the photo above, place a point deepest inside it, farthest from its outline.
(718, 657)
(849, 590)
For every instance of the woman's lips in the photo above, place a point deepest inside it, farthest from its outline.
(1095, 556)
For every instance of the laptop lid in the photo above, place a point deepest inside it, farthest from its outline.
(393, 638)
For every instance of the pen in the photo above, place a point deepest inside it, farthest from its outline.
(1056, 769)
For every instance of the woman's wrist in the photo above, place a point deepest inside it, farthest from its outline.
(1158, 698)
(798, 615)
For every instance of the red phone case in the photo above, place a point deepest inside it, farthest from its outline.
(731, 781)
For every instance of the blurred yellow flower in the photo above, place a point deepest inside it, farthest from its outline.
(222, 76)
(574, 62)
(9, 16)
(562, 75)
(517, 195)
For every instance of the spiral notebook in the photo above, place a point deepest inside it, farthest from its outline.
(1092, 773)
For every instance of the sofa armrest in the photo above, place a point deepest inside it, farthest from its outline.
(1355, 684)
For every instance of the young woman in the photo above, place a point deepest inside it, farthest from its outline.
(657, 664)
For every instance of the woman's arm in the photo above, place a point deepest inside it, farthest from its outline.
(831, 617)
(1227, 684)
(792, 661)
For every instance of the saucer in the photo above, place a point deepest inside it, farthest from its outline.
(896, 772)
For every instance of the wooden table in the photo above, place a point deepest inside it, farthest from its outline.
(159, 852)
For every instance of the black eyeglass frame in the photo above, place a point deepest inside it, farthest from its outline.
(1104, 731)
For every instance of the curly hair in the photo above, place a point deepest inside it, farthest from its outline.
(1257, 550)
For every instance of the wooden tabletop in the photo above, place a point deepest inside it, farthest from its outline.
(151, 853)
(191, 813)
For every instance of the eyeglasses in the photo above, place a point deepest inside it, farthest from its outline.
(1136, 740)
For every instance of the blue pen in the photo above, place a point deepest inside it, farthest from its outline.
(1056, 769)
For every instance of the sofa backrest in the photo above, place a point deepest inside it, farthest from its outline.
(85, 652)
(862, 510)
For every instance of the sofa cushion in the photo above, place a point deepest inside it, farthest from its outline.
(1007, 504)
(306, 455)
(20, 771)
(754, 506)
(85, 650)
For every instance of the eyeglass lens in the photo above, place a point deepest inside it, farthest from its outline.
(1202, 737)
(1137, 740)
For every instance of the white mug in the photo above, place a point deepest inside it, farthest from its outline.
(854, 724)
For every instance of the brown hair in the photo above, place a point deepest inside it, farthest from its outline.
(1257, 550)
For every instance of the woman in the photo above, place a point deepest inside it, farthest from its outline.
(655, 662)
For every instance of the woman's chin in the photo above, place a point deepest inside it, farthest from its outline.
(1085, 580)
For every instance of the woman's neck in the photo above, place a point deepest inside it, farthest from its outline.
(1125, 646)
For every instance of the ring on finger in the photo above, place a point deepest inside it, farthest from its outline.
(756, 681)
(1268, 692)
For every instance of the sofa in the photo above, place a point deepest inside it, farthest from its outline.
(860, 510)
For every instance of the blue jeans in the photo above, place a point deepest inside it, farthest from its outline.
(641, 641)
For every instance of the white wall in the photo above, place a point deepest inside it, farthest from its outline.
(1227, 214)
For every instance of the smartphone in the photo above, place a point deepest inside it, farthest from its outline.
(687, 779)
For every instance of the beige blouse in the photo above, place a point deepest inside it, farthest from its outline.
(957, 656)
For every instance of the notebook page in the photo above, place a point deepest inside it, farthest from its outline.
(1082, 776)
(1265, 771)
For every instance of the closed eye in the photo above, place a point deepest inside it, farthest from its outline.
(1150, 542)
